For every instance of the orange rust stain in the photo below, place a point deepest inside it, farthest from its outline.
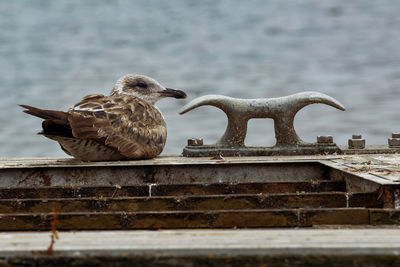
(54, 233)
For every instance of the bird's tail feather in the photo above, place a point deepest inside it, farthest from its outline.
(56, 116)
(55, 122)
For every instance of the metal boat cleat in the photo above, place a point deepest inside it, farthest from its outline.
(282, 110)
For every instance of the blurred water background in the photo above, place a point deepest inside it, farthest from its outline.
(54, 52)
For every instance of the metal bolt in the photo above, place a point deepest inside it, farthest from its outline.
(356, 142)
(395, 140)
(396, 135)
(195, 142)
(324, 139)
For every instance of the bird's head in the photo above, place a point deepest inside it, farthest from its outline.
(145, 88)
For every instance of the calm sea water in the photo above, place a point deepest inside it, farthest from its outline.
(54, 52)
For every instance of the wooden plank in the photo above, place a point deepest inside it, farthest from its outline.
(105, 175)
(171, 190)
(350, 216)
(258, 247)
(171, 203)
(39, 162)
(149, 220)
(385, 216)
(367, 200)
(378, 168)
(207, 242)
(199, 219)
(248, 188)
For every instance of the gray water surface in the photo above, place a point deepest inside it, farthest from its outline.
(54, 52)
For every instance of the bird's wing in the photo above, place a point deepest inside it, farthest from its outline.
(130, 125)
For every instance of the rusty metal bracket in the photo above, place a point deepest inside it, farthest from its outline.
(282, 110)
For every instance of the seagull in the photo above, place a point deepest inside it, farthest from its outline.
(124, 125)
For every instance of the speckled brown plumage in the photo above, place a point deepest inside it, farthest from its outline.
(121, 126)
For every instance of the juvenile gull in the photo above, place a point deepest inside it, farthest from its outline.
(123, 125)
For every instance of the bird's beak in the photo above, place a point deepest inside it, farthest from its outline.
(168, 92)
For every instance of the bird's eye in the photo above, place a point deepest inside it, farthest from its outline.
(141, 85)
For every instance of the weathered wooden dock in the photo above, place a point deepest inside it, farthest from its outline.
(206, 211)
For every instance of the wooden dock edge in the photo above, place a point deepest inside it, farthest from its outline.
(205, 247)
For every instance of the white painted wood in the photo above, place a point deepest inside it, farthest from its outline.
(200, 242)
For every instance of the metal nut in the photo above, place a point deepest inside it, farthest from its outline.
(395, 140)
(356, 143)
(396, 135)
(195, 142)
(324, 139)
